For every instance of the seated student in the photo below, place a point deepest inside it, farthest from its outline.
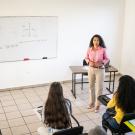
(123, 102)
(55, 112)
(98, 130)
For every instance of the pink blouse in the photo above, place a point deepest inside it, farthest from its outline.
(97, 55)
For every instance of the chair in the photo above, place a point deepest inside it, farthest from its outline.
(69, 106)
(107, 64)
(70, 131)
(84, 74)
(122, 127)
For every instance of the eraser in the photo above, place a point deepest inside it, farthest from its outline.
(26, 59)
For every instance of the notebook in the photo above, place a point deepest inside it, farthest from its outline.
(132, 122)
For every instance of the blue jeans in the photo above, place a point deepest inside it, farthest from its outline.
(109, 121)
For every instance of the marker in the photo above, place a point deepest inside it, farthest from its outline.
(44, 58)
(26, 59)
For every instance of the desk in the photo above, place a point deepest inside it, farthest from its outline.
(80, 70)
(104, 99)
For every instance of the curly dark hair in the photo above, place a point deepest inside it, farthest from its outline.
(101, 41)
(125, 94)
(56, 112)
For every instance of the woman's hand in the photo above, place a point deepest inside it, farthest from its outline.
(92, 64)
(98, 64)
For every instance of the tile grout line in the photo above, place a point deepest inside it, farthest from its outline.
(20, 112)
(6, 116)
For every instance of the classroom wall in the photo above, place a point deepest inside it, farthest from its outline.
(78, 20)
(128, 49)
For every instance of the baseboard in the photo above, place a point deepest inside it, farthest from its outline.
(46, 84)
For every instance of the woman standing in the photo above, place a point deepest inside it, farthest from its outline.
(96, 58)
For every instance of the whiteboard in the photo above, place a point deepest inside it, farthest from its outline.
(28, 37)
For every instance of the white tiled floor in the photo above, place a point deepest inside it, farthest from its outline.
(18, 118)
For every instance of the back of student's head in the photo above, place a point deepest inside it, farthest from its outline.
(98, 130)
(56, 113)
(125, 94)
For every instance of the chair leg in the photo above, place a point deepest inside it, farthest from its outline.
(82, 82)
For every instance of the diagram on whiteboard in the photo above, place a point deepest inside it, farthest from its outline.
(27, 37)
(29, 30)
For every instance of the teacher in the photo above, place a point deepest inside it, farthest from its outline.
(96, 58)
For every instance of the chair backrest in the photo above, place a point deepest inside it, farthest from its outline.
(107, 64)
(70, 131)
(84, 63)
(123, 128)
(69, 106)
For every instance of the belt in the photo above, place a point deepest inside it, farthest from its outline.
(100, 67)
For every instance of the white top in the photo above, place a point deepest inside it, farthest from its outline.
(46, 131)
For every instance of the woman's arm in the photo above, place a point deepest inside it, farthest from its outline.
(105, 58)
(111, 103)
(87, 56)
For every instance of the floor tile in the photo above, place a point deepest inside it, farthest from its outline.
(8, 103)
(2, 116)
(24, 106)
(1, 109)
(16, 122)
(31, 119)
(34, 133)
(34, 126)
(13, 115)
(27, 112)
(10, 108)
(20, 101)
(21, 130)
(6, 131)
(3, 124)
(82, 117)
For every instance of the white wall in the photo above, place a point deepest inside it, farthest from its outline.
(78, 20)
(128, 50)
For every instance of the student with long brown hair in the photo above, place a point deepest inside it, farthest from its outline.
(55, 113)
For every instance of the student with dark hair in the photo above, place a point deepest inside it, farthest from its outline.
(55, 112)
(123, 102)
(96, 58)
(98, 130)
